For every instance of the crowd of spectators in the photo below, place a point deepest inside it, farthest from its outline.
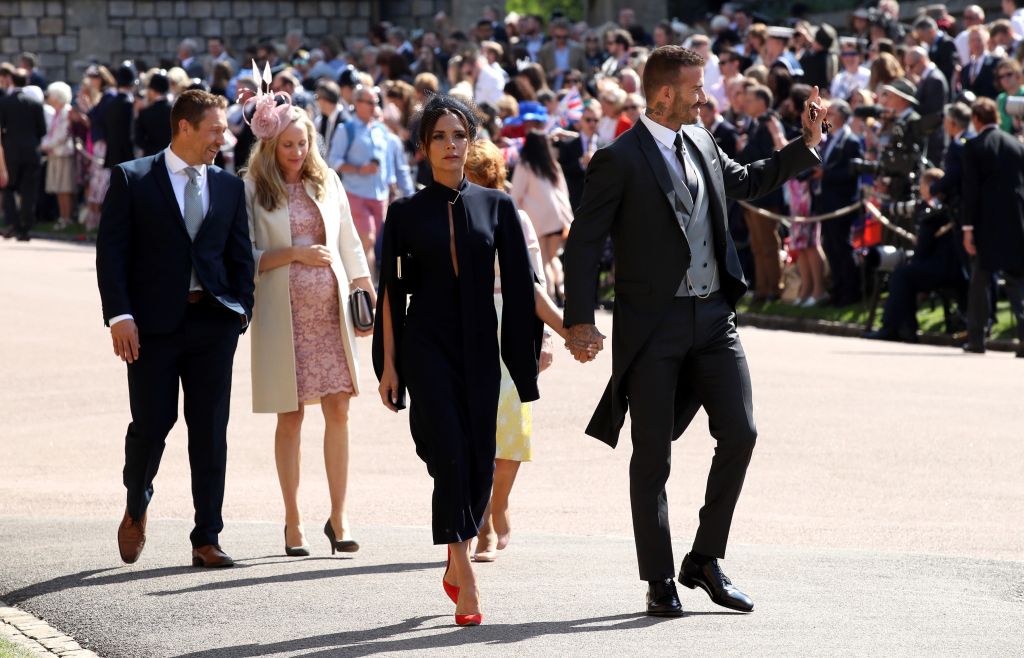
(549, 92)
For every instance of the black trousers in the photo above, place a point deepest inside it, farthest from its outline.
(24, 182)
(835, 241)
(907, 281)
(696, 342)
(199, 355)
(980, 302)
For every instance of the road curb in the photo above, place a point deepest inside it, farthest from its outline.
(37, 636)
(849, 330)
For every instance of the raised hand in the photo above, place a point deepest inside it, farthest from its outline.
(813, 117)
(584, 342)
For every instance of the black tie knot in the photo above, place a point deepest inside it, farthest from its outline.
(678, 143)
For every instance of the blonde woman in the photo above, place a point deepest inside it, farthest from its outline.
(308, 256)
(485, 166)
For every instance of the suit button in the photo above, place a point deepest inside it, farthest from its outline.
(705, 287)
(705, 264)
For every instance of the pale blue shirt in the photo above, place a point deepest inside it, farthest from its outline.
(370, 142)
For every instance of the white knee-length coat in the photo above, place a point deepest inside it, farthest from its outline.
(274, 382)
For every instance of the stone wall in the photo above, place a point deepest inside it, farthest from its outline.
(70, 34)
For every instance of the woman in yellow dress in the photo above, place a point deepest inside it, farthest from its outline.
(485, 166)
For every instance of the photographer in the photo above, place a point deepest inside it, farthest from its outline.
(901, 143)
(993, 220)
(937, 263)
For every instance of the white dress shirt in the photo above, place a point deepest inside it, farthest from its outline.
(666, 139)
(176, 171)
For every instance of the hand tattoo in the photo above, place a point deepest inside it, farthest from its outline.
(584, 341)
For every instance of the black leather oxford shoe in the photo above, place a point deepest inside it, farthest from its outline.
(662, 599)
(710, 578)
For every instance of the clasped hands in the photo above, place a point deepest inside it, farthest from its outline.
(584, 341)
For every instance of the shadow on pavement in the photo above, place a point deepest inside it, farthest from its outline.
(383, 640)
(123, 575)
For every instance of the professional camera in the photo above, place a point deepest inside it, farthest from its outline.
(901, 209)
(1015, 106)
(902, 159)
(884, 257)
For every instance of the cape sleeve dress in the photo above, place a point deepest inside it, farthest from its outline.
(446, 338)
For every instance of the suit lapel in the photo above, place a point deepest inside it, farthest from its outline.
(657, 164)
(163, 181)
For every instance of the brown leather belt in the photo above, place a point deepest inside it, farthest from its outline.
(195, 296)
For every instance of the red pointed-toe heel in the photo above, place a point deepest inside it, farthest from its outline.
(451, 590)
(469, 620)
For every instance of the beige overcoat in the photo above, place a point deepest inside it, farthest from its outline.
(274, 386)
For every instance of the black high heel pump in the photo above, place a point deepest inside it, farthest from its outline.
(342, 545)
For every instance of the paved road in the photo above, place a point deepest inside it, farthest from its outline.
(882, 512)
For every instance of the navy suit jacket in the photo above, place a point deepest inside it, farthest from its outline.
(144, 256)
(838, 184)
(985, 83)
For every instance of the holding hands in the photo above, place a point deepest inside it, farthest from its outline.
(584, 341)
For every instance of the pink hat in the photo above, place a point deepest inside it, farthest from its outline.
(272, 112)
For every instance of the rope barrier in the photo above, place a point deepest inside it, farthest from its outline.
(877, 214)
(789, 220)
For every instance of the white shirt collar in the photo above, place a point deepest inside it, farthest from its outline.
(661, 133)
(177, 166)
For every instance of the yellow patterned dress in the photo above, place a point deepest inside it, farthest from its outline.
(514, 433)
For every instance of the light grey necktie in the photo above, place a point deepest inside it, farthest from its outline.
(193, 203)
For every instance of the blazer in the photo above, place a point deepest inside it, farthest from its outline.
(838, 185)
(569, 153)
(993, 199)
(761, 145)
(726, 136)
(274, 382)
(943, 52)
(153, 127)
(546, 58)
(546, 202)
(117, 128)
(144, 256)
(59, 142)
(985, 82)
(23, 125)
(629, 195)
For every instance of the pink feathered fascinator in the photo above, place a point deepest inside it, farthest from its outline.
(271, 112)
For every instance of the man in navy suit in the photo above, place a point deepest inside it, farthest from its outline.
(979, 73)
(834, 186)
(175, 270)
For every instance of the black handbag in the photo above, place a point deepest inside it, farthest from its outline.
(361, 309)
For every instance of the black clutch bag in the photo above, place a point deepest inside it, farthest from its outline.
(361, 309)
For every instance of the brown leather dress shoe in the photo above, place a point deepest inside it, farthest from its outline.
(211, 557)
(131, 538)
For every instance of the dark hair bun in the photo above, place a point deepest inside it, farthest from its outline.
(441, 104)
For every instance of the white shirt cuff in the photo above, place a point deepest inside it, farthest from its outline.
(117, 318)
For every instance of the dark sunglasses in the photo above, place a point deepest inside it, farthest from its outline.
(849, 53)
(1008, 74)
(589, 120)
(630, 107)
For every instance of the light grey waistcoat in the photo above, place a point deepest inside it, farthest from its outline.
(702, 278)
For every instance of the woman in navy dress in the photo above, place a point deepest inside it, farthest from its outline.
(438, 253)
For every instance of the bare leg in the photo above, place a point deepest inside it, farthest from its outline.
(335, 408)
(803, 266)
(286, 454)
(817, 272)
(505, 471)
(64, 204)
(487, 540)
(461, 574)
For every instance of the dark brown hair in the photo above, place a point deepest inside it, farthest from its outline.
(192, 105)
(439, 105)
(985, 111)
(664, 66)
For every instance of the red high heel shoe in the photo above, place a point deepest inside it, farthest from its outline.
(451, 590)
(469, 620)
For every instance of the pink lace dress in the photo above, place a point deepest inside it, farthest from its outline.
(320, 364)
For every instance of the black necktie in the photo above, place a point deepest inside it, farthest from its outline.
(691, 185)
(324, 119)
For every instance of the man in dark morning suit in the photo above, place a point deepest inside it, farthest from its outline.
(23, 126)
(117, 120)
(993, 220)
(833, 187)
(175, 270)
(932, 95)
(659, 190)
(941, 47)
(153, 125)
(574, 154)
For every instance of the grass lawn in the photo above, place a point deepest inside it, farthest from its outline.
(71, 232)
(9, 649)
(929, 315)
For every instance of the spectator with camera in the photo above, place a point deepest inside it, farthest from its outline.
(937, 264)
(993, 220)
(1011, 81)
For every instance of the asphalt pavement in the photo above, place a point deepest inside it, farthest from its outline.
(882, 514)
